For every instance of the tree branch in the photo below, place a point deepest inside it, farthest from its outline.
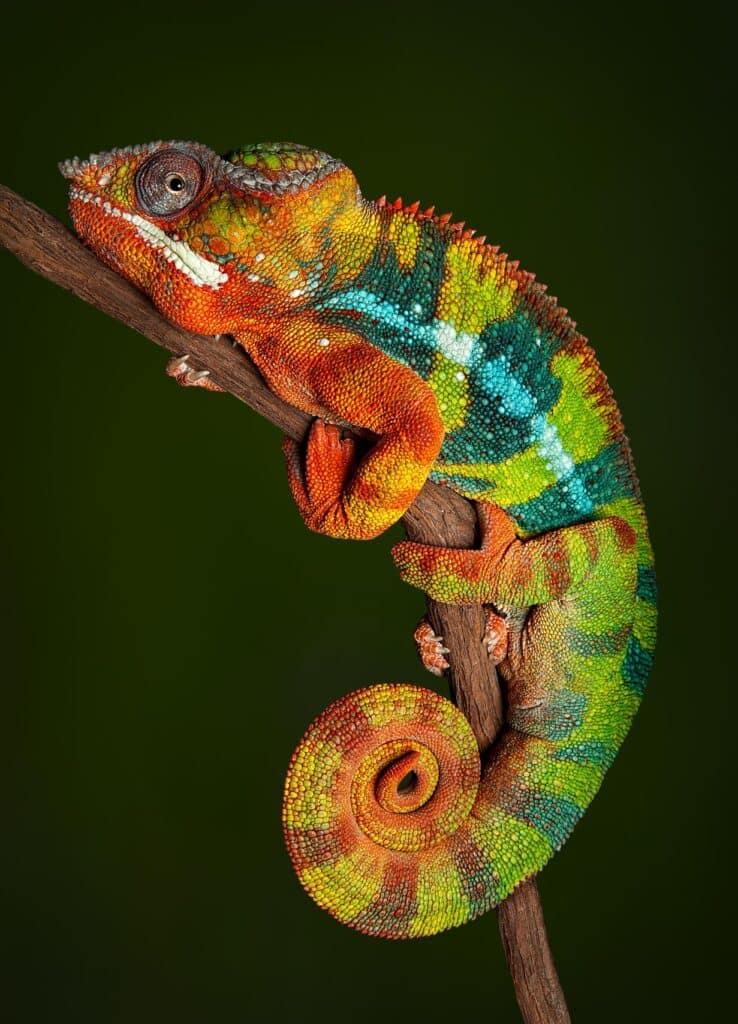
(439, 516)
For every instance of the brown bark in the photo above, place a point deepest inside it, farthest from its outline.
(438, 516)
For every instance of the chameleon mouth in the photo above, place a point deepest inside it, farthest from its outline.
(200, 271)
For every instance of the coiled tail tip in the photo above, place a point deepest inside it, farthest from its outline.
(377, 814)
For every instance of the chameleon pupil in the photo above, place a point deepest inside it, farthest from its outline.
(175, 184)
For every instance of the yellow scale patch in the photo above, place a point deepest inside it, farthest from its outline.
(334, 885)
(522, 850)
(381, 712)
(438, 889)
(468, 274)
(316, 807)
(599, 620)
(356, 231)
(121, 185)
(644, 626)
(451, 388)
(581, 426)
(633, 513)
(612, 710)
(577, 783)
(404, 233)
(518, 479)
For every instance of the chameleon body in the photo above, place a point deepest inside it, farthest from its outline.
(390, 318)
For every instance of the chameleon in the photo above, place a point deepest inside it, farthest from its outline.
(391, 318)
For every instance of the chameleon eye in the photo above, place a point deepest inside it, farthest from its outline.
(168, 181)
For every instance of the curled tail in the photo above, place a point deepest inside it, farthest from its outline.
(393, 828)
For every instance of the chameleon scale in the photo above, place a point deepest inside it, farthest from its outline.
(395, 319)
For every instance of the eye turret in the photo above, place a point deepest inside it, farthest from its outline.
(168, 181)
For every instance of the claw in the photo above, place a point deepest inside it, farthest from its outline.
(179, 368)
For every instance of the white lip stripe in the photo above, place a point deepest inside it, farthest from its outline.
(199, 270)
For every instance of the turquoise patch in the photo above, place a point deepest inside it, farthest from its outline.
(593, 645)
(636, 666)
(553, 816)
(498, 379)
(646, 588)
(590, 753)
(553, 719)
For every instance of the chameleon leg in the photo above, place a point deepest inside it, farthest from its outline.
(179, 368)
(508, 571)
(430, 648)
(318, 481)
(342, 377)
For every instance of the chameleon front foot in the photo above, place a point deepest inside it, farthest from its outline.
(430, 648)
(179, 368)
(319, 481)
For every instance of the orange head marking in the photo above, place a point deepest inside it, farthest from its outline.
(211, 240)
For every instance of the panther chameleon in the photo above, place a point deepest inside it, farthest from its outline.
(393, 319)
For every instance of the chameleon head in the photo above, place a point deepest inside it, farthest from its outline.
(212, 240)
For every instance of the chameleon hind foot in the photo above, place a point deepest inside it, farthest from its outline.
(179, 368)
(430, 648)
(495, 636)
(432, 652)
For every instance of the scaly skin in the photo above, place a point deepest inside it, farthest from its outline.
(384, 317)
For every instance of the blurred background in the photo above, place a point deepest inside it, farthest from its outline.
(170, 628)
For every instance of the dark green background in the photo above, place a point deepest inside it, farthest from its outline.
(171, 627)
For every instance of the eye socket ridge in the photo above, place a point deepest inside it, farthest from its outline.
(168, 181)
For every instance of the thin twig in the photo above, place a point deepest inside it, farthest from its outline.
(438, 516)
